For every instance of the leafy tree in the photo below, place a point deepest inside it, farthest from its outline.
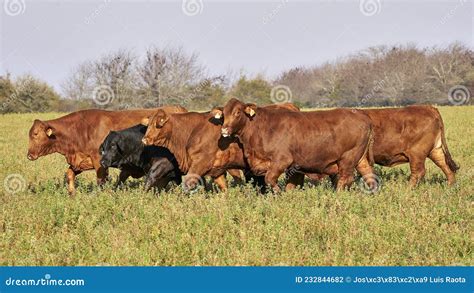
(256, 90)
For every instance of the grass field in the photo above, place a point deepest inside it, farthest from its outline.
(41, 225)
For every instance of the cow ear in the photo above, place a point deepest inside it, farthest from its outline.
(161, 121)
(49, 132)
(161, 118)
(250, 109)
(217, 112)
(145, 121)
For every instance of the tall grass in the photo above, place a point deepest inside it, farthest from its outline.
(41, 225)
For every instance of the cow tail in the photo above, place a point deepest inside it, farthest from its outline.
(447, 155)
(368, 152)
(370, 147)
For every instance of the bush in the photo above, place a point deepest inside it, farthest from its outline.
(26, 94)
(256, 90)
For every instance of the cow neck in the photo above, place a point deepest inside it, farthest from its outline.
(250, 129)
(65, 142)
(178, 140)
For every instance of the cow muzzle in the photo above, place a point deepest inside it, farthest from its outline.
(31, 157)
(225, 132)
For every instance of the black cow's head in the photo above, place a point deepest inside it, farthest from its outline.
(111, 150)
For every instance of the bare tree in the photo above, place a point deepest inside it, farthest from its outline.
(115, 70)
(385, 76)
(79, 85)
(168, 76)
(112, 73)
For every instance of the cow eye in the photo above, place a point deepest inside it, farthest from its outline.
(237, 113)
(102, 153)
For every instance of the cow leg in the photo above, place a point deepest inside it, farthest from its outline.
(102, 174)
(122, 177)
(296, 179)
(271, 177)
(161, 173)
(417, 169)
(221, 182)
(345, 176)
(236, 175)
(437, 156)
(249, 176)
(195, 176)
(159, 183)
(334, 179)
(345, 180)
(70, 178)
(100, 171)
(367, 173)
(257, 181)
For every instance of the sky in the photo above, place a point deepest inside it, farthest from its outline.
(49, 38)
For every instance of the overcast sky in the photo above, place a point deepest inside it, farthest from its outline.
(49, 38)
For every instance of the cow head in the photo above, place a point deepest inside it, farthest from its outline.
(42, 138)
(236, 114)
(111, 151)
(159, 129)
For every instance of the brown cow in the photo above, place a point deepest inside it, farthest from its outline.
(79, 135)
(315, 142)
(194, 139)
(196, 142)
(294, 178)
(411, 134)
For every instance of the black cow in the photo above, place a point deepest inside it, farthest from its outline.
(124, 150)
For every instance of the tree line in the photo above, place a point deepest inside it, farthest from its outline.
(378, 76)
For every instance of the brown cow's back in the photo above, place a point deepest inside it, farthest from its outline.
(310, 142)
(326, 133)
(411, 134)
(398, 129)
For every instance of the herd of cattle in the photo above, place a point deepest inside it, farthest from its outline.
(171, 144)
